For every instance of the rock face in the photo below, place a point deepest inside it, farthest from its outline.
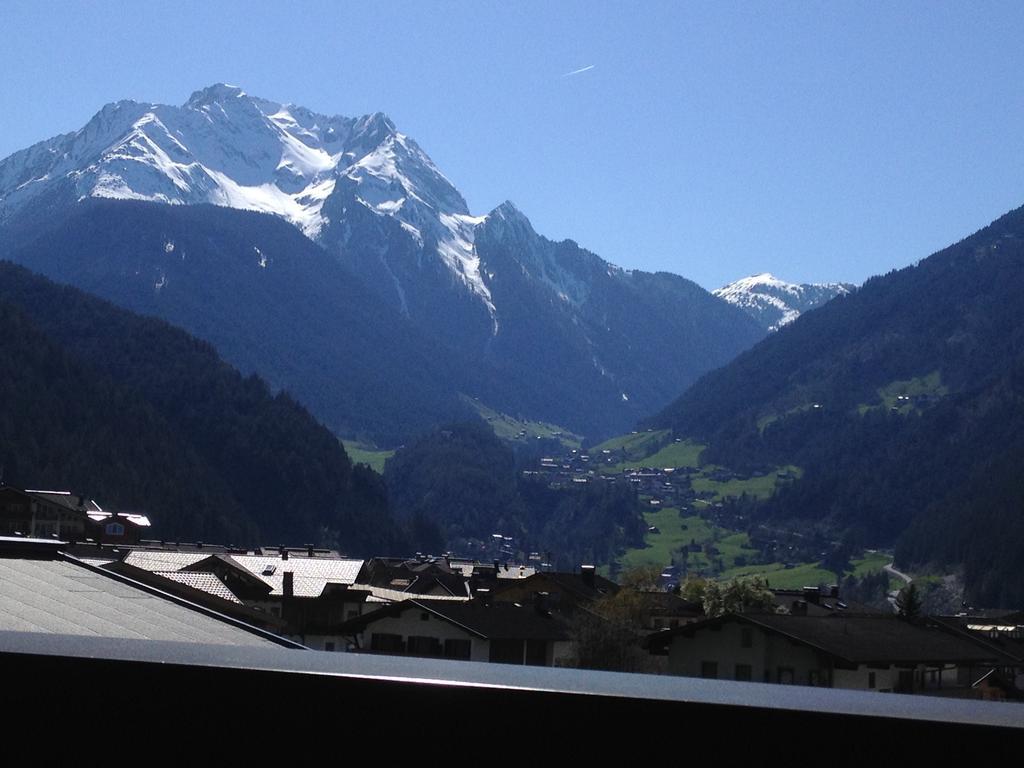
(540, 329)
(774, 303)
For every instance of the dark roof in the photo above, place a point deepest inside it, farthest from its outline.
(572, 585)
(421, 577)
(669, 604)
(821, 602)
(1002, 643)
(504, 621)
(67, 499)
(855, 639)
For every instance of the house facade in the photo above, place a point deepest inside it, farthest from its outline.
(881, 653)
(505, 633)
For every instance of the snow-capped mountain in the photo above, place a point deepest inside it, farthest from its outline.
(464, 305)
(230, 149)
(775, 303)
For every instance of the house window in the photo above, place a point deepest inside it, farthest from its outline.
(419, 645)
(709, 669)
(744, 672)
(536, 652)
(386, 643)
(506, 651)
(456, 649)
(747, 637)
(115, 529)
(905, 681)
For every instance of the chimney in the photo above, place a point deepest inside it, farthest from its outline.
(588, 572)
(309, 550)
(284, 553)
(497, 568)
(288, 587)
(811, 594)
(833, 590)
(484, 596)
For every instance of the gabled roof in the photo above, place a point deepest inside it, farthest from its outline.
(68, 499)
(311, 574)
(204, 582)
(821, 601)
(163, 560)
(220, 563)
(572, 585)
(853, 639)
(385, 594)
(497, 621)
(669, 604)
(132, 518)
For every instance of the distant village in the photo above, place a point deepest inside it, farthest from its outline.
(70, 567)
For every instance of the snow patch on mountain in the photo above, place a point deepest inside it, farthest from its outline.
(774, 302)
(230, 149)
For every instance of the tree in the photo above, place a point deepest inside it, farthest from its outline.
(607, 633)
(737, 596)
(908, 602)
(693, 589)
(642, 578)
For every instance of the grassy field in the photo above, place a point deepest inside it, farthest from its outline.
(898, 395)
(635, 445)
(780, 577)
(682, 454)
(362, 454)
(675, 533)
(759, 487)
(764, 421)
(661, 546)
(810, 574)
(508, 428)
(871, 562)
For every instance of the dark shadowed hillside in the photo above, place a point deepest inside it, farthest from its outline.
(143, 416)
(461, 482)
(902, 401)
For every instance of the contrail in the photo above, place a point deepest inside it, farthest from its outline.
(578, 71)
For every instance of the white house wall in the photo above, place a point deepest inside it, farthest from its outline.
(409, 624)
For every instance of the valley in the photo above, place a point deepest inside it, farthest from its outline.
(790, 427)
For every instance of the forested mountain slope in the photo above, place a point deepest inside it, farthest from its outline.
(141, 415)
(902, 402)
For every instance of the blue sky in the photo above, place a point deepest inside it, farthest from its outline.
(817, 141)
